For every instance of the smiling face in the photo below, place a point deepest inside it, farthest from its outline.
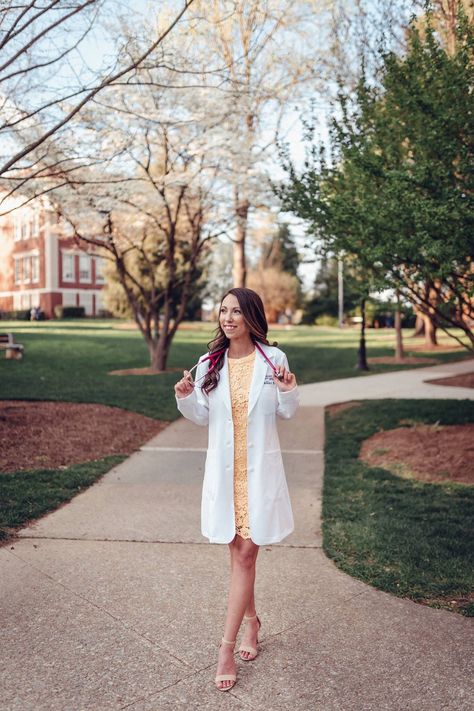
(231, 319)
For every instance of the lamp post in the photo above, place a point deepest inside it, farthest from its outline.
(340, 290)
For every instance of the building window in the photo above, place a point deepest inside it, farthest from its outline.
(69, 298)
(35, 224)
(17, 226)
(99, 266)
(25, 228)
(26, 269)
(35, 268)
(85, 299)
(26, 301)
(17, 271)
(68, 267)
(84, 268)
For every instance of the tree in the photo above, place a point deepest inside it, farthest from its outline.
(397, 190)
(144, 275)
(265, 53)
(155, 230)
(41, 94)
(280, 252)
(278, 289)
(324, 300)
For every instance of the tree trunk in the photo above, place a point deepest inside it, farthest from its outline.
(239, 271)
(430, 331)
(158, 351)
(399, 353)
(362, 354)
(419, 325)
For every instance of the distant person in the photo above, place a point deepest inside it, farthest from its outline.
(241, 385)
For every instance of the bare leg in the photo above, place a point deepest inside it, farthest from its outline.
(243, 559)
(250, 609)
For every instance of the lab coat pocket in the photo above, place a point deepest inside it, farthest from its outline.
(268, 397)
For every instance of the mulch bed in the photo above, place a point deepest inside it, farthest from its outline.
(51, 435)
(440, 348)
(341, 406)
(432, 453)
(466, 380)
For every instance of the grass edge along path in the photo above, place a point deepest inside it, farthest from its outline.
(27, 495)
(70, 361)
(409, 538)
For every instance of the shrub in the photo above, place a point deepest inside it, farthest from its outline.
(18, 315)
(326, 320)
(69, 311)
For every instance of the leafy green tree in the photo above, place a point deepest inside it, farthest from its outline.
(324, 301)
(396, 188)
(280, 252)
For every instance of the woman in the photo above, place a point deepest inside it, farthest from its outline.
(240, 387)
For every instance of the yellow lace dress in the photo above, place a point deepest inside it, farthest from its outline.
(240, 378)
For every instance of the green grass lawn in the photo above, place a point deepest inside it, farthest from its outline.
(27, 495)
(70, 361)
(406, 537)
(402, 536)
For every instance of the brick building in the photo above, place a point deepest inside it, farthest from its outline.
(41, 265)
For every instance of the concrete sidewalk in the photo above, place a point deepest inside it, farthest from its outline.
(115, 600)
(398, 384)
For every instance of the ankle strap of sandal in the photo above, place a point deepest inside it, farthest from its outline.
(226, 641)
(252, 617)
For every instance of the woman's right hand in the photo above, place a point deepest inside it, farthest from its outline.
(185, 386)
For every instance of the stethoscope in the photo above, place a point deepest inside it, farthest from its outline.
(215, 357)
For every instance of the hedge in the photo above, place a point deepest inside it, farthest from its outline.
(69, 311)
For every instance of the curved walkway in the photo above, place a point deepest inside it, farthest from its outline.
(115, 600)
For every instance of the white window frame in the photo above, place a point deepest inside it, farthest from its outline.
(99, 265)
(69, 298)
(17, 269)
(26, 269)
(25, 228)
(16, 226)
(68, 277)
(25, 300)
(87, 301)
(35, 268)
(85, 275)
(35, 224)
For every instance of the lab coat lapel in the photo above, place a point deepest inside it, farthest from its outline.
(224, 384)
(258, 379)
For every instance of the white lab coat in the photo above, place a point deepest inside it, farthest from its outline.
(269, 506)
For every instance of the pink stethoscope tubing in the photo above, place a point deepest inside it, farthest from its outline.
(214, 358)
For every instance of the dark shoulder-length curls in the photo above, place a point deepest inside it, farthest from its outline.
(253, 313)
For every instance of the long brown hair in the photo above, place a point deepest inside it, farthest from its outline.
(253, 314)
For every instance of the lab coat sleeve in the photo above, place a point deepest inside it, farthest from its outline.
(288, 400)
(195, 406)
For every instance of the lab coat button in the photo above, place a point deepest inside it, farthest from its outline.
(250, 444)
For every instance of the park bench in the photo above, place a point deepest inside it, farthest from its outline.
(13, 351)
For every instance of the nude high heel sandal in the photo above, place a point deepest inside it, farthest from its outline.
(226, 677)
(248, 648)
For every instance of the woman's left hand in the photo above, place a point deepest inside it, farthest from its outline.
(287, 380)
